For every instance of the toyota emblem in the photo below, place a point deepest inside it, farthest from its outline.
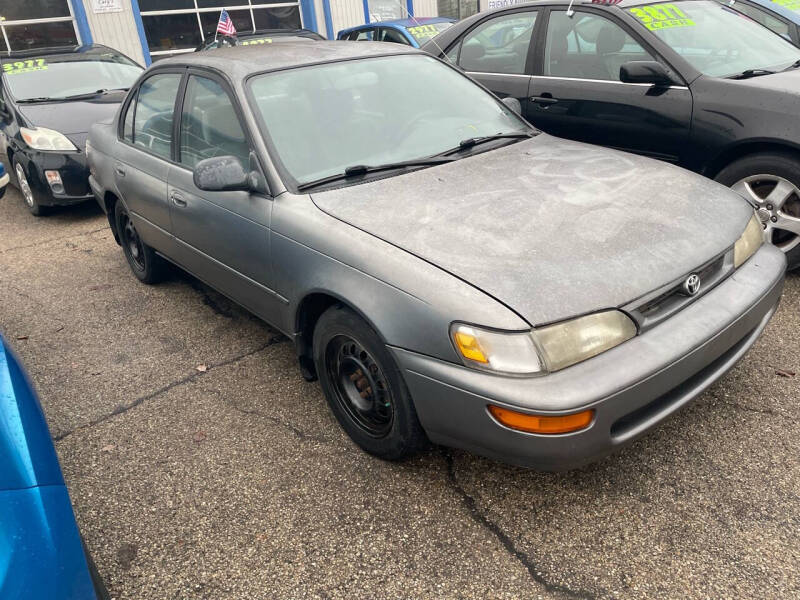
(692, 285)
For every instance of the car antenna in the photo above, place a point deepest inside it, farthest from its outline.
(413, 18)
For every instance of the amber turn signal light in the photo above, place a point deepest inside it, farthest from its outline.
(547, 424)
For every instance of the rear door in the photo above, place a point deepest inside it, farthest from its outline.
(222, 237)
(497, 52)
(143, 156)
(577, 92)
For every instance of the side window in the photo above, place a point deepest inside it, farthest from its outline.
(588, 46)
(155, 105)
(209, 125)
(392, 35)
(127, 127)
(363, 35)
(760, 16)
(499, 45)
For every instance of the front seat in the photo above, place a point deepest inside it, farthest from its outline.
(610, 41)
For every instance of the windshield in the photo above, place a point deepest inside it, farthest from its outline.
(715, 39)
(59, 76)
(422, 33)
(325, 118)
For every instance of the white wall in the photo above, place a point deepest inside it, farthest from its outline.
(426, 8)
(116, 30)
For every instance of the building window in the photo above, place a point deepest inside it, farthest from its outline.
(174, 26)
(37, 24)
(458, 9)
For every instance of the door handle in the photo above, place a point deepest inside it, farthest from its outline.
(544, 101)
(177, 199)
(119, 170)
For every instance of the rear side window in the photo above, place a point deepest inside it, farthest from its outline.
(209, 125)
(155, 108)
(364, 35)
(499, 45)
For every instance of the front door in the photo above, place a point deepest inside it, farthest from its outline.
(579, 94)
(222, 237)
(497, 53)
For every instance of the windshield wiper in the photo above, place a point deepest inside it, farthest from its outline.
(472, 142)
(36, 99)
(83, 96)
(794, 65)
(747, 74)
(361, 170)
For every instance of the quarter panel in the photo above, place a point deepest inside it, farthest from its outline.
(410, 302)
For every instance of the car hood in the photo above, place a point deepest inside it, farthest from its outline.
(72, 117)
(783, 81)
(27, 456)
(549, 227)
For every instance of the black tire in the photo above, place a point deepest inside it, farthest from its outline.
(29, 195)
(784, 165)
(146, 265)
(351, 358)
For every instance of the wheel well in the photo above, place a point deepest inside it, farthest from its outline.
(110, 201)
(732, 154)
(308, 313)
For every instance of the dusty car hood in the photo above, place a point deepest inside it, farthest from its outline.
(551, 228)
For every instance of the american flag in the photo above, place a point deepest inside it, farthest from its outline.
(225, 25)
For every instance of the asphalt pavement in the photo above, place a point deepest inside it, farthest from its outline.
(201, 464)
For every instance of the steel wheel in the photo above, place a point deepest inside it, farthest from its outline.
(24, 186)
(360, 386)
(778, 206)
(131, 242)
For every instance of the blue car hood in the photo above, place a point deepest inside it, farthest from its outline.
(27, 456)
(41, 556)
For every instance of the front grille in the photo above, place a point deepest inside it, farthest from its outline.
(653, 308)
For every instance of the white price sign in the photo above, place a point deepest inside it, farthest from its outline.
(106, 6)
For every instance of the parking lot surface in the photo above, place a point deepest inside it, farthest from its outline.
(201, 465)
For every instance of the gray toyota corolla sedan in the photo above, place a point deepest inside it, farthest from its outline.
(446, 271)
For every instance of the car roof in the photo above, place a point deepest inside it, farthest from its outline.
(241, 61)
(774, 7)
(399, 23)
(280, 33)
(64, 51)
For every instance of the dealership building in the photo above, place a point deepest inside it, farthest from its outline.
(147, 30)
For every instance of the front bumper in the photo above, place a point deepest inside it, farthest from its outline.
(72, 168)
(631, 387)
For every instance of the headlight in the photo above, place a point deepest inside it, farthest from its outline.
(545, 349)
(749, 242)
(505, 352)
(40, 138)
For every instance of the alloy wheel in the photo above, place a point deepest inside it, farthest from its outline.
(359, 385)
(777, 203)
(24, 186)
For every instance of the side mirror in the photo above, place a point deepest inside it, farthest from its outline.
(512, 103)
(644, 71)
(222, 174)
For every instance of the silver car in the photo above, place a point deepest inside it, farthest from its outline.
(446, 271)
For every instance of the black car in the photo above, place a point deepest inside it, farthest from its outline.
(260, 36)
(690, 82)
(48, 100)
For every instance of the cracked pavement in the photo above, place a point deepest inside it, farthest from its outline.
(236, 482)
